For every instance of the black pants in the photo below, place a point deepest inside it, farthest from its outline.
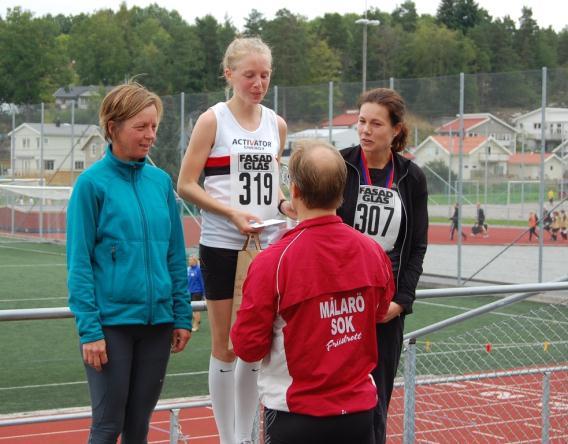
(293, 428)
(125, 392)
(389, 338)
(532, 232)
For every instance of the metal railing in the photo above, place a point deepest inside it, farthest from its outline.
(411, 380)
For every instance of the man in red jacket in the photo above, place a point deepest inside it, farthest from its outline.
(310, 304)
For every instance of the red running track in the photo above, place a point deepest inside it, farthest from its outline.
(488, 411)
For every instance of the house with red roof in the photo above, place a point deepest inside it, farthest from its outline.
(479, 152)
(527, 166)
(346, 120)
(482, 124)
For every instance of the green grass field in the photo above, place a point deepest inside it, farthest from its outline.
(41, 366)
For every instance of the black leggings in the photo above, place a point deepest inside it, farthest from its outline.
(292, 428)
(389, 346)
(125, 392)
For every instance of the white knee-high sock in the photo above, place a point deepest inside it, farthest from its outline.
(222, 390)
(246, 398)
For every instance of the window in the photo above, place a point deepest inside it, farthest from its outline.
(489, 149)
(45, 140)
(48, 164)
(536, 125)
(79, 165)
(551, 167)
(37, 141)
(94, 149)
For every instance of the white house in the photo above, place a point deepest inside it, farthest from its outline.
(482, 124)
(80, 94)
(478, 151)
(340, 137)
(527, 166)
(556, 131)
(88, 146)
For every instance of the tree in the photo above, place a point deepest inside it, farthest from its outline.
(288, 36)
(460, 14)
(436, 172)
(406, 16)
(99, 49)
(563, 47)
(34, 62)
(526, 38)
(207, 33)
(254, 24)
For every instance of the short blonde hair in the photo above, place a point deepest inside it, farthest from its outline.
(320, 184)
(240, 47)
(125, 101)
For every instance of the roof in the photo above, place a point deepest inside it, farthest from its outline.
(453, 143)
(72, 92)
(318, 133)
(63, 130)
(471, 121)
(348, 118)
(532, 158)
(538, 110)
(454, 125)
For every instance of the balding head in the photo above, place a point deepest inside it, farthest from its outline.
(319, 174)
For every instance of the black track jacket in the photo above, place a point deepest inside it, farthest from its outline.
(411, 184)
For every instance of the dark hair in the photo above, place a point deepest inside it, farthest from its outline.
(320, 184)
(396, 107)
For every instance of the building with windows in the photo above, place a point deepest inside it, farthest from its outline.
(479, 153)
(529, 126)
(483, 125)
(63, 148)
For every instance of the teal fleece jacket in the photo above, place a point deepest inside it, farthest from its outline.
(125, 250)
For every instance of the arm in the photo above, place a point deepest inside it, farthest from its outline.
(82, 217)
(406, 291)
(202, 139)
(252, 333)
(178, 273)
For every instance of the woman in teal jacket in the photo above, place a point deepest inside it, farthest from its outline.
(126, 269)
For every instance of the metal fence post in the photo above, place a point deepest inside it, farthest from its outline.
(542, 178)
(409, 391)
(330, 112)
(391, 82)
(41, 168)
(174, 426)
(460, 179)
(276, 99)
(72, 154)
(13, 166)
(545, 408)
(181, 128)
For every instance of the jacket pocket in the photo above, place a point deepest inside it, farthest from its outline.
(128, 273)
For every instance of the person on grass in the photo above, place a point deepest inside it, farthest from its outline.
(236, 145)
(126, 270)
(310, 305)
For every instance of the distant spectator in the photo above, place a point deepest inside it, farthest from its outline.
(482, 226)
(454, 222)
(195, 288)
(550, 196)
(564, 225)
(532, 225)
(555, 225)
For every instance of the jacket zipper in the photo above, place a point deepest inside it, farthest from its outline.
(403, 209)
(149, 297)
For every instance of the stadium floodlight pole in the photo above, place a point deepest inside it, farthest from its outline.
(542, 178)
(72, 157)
(366, 22)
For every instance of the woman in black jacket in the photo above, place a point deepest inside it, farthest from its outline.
(386, 198)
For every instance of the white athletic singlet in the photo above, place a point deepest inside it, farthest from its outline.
(241, 172)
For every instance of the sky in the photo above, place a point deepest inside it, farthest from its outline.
(546, 12)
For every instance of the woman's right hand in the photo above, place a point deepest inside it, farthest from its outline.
(242, 221)
(95, 355)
